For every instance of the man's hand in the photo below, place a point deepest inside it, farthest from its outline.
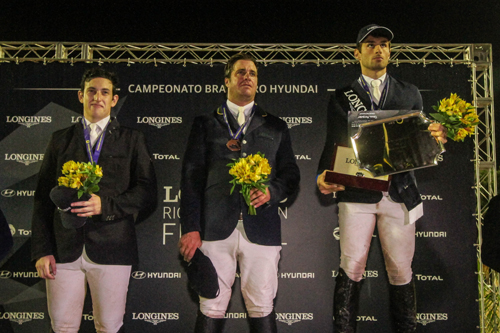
(327, 188)
(258, 198)
(46, 267)
(88, 208)
(438, 131)
(188, 244)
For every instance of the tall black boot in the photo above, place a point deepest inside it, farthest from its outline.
(206, 324)
(265, 324)
(404, 307)
(345, 303)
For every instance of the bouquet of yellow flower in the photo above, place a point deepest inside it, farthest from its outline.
(81, 176)
(458, 116)
(250, 172)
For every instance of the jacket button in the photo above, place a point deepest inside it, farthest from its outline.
(244, 154)
(244, 142)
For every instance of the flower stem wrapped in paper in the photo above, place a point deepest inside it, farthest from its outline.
(458, 116)
(250, 172)
(78, 182)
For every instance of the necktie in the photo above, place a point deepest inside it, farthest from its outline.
(376, 90)
(94, 133)
(241, 115)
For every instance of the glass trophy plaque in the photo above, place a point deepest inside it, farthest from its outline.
(396, 144)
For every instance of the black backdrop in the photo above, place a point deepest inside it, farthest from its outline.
(162, 101)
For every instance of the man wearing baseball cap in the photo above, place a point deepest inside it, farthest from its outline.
(360, 210)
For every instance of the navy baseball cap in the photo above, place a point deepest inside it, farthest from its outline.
(374, 29)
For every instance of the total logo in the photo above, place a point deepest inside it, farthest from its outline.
(26, 159)
(302, 157)
(421, 277)
(21, 317)
(159, 122)
(295, 121)
(430, 197)
(155, 318)
(165, 157)
(427, 318)
(292, 318)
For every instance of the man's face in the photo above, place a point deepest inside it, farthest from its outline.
(242, 85)
(97, 99)
(374, 55)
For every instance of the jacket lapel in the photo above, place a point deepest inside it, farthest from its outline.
(258, 119)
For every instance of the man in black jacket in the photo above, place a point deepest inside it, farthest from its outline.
(218, 222)
(103, 250)
(393, 212)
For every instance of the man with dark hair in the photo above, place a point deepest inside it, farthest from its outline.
(102, 251)
(218, 222)
(360, 210)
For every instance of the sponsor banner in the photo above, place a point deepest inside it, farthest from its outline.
(162, 103)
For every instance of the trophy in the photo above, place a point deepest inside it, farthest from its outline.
(384, 147)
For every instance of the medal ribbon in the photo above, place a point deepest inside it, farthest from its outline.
(236, 135)
(383, 95)
(93, 155)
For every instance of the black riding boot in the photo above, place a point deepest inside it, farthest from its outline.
(404, 307)
(265, 324)
(206, 324)
(345, 303)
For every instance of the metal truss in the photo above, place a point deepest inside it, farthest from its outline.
(477, 56)
(293, 54)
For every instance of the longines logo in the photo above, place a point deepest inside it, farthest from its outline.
(295, 121)
(292, 318)
(21, 317)
(26, 159)
(76, 119)
(165, 157)
(8, 193)
(366, 274)
(427, 234)
(354, 101)
(155, 318)
(430, 197)
(139, 275)
(427, 318)
(159, 122)
(29, 121)
(296, 275)
(18, 275)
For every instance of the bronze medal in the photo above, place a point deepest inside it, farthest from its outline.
(234, 145)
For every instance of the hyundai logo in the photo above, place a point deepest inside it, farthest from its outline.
(8, 193)
(5, 274)
(139, 275)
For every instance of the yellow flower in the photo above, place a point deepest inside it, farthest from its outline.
(98, 171)
(63, 181)
(461, 134)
